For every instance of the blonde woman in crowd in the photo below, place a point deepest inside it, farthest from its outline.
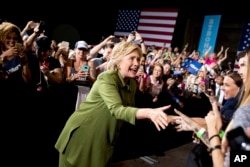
(14, 79)
(90, 134)
(13, 53)
(81, 72)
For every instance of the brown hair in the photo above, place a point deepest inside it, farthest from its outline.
(236, 78)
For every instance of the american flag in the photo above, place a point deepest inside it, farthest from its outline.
(244, 41)
(156, 26)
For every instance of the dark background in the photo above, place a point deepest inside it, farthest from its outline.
(93, 19)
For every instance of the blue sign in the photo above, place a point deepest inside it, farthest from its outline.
(209, 33)
(191, 65)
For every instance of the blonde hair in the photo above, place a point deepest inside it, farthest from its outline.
(119, 51)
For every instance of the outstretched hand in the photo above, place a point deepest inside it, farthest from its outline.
(180, 124)
(159, 117)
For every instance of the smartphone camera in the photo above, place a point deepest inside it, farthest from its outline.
(195, 88)
(85, 68)
(19, 46)
(42, 26)
(116, 40)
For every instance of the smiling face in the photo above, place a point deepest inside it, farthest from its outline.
(230, 88)
(129, 65)
(166, 68)
(11, 40)
(157, 71)
(10, 34)
(81, 53)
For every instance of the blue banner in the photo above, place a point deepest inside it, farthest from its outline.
(191, 65)
(209, 33)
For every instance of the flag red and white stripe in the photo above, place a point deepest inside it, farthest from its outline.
(156, 26)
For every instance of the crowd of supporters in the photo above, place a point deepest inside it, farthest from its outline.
(43, 81)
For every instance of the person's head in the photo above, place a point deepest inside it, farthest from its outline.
(232, 84)
(170, 49)
(201, 74)
(10, 34)
(54, 45)
(125, 58)
(244, 71)
(107, 49)
(243, 62)
(153, 48)
(81, 50)
(43, 47)
(143, 61)
(219, 79)
(157, 71)
(196, 55)
(178, 78)
(176, 49)
(213, 55)
(166, 68)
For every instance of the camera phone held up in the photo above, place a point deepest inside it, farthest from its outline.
(42, 26)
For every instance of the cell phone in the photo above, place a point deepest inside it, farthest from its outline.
(85, 68)
(19, 46)
(211, 83)
(195, 88)
(238, 140)
(141, 68)
(116, 40)
(42, 26)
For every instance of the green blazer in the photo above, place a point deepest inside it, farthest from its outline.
(89, 135)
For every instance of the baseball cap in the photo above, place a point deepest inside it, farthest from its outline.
(81, 45)
(43, 43)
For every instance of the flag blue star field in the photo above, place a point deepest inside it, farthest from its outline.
(245, 37)
(156, 26)
(244, 41)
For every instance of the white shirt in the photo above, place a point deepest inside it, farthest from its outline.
(221, 97)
